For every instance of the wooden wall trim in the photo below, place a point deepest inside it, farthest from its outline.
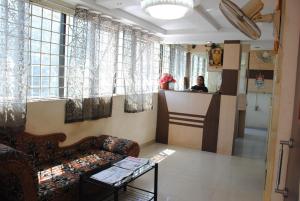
(185, 114)
(162, 128)
(187, 71)
(268, 74)
(232, 42)
(194, 120)
(211, 125)
(185, 124)
(229, 82)
(185, 119)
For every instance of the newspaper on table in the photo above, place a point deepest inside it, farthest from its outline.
(112, 175)
(132, 163)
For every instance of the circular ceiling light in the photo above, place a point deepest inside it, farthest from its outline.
(167, 9)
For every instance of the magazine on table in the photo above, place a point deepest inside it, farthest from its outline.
(132, 163)
(120, 170)
(112, 175)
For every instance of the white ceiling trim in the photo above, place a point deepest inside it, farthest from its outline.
(203, 13)
(203, 37)
(197, 32)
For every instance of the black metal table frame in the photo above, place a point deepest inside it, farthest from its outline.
(123, 186)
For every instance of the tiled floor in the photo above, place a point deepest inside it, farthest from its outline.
(253, 145)
(193, 175)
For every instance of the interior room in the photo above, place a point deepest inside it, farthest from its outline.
(163, 100)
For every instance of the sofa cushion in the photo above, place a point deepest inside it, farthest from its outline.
(62, 181)
(121, 146)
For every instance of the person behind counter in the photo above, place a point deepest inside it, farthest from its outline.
(200, 85)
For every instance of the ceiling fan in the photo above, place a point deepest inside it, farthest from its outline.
(245, 18)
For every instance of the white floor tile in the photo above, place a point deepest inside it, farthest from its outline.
(193, 175)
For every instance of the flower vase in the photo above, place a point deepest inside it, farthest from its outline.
(164, 86)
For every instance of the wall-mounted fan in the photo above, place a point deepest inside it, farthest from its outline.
(245, 18)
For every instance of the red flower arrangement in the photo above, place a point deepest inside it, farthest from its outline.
(165, 80)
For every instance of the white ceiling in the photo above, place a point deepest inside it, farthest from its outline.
(204, 23)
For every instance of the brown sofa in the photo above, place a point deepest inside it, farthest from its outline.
(35, 168)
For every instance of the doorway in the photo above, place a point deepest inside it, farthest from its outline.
(251, 142)
(257, 66)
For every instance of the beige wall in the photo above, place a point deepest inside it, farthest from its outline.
(232, 56)
(229, 104)
(46, 117)
(185, 136)
(227, 120)
(258, 118)
(188, 102)
(267, 88)
(197, 49)
(255, 63)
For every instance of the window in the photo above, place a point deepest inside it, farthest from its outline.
(173, 61)
(156, 63)
(199, 67)
(49, 35)
(125, 54)
(50, 42)
(166, 58)
(119, 76)
(178, 65)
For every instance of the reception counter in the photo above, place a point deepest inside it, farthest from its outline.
(203, 121)
(188, 119)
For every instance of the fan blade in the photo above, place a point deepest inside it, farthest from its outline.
(239, 19)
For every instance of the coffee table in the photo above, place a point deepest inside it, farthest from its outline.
(122, 190)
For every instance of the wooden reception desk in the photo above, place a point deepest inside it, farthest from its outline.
(189, 119)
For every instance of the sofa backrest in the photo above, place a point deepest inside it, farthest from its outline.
(45, 149)
(46, 152)
(18, 175)
(42, 148)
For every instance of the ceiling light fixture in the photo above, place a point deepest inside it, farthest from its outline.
(167, 9)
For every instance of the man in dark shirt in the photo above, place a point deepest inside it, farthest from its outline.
(200, 85)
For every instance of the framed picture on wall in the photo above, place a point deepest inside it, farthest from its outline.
(215, 53)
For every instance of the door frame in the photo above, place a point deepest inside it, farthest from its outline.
(283, 96)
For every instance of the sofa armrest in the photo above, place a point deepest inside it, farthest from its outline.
(18, 175)
(121, 146)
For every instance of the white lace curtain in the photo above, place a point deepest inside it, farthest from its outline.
(91, 70)
(140, 68)
(174, 62)
(198, 67)
(14, 64)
